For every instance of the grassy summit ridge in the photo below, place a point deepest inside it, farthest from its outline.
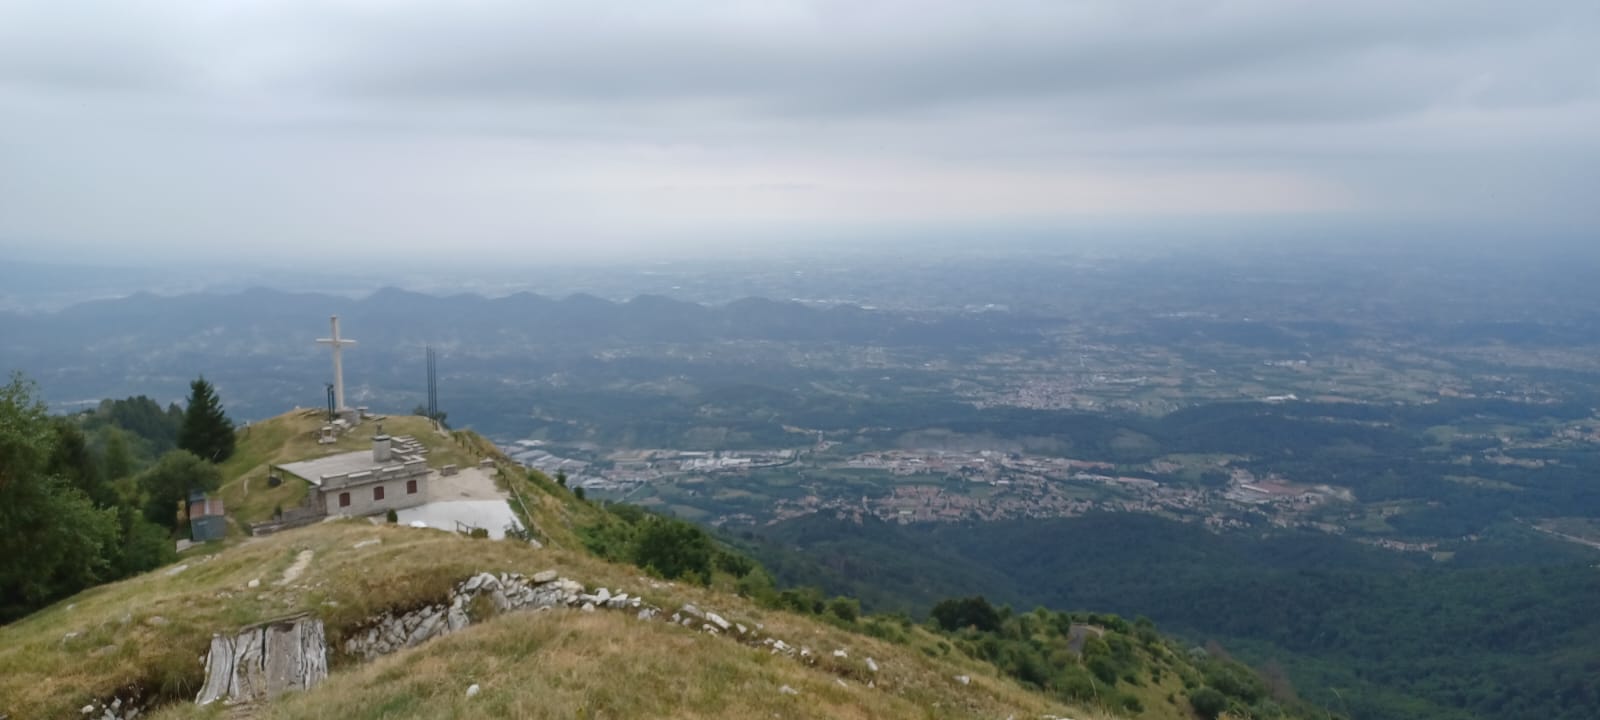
(150, 631)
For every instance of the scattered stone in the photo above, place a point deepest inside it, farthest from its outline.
(788, 690)
(253, 584)
(540, 578)
(369, 542)
(88, 709)
(588, 607)
(473, 690)
(178, 569)
(718, 621)
(68, 636)
(964, 679)
(693, 612)
(872, 664)
(841, 682)
(840, 654)
(478, 582)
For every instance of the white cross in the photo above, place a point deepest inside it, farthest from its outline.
(338, 344)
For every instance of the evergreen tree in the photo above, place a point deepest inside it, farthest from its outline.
(206, 431)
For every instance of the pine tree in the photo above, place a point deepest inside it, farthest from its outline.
(206, 430)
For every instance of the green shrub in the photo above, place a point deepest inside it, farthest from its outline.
(1208, 702)
(976, 612)
(673, 549)
(844, 608)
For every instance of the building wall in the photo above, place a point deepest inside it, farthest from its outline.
(395, 496)
(208, 528)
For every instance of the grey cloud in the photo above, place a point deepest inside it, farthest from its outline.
(1404, 56)
(172, 122)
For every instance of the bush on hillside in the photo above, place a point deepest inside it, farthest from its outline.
(844, 608)
(975, 612)
(1208, 703)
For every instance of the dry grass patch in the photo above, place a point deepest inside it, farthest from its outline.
(567, 664)
(153, 629)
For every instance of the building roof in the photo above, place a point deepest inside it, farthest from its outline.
(340, 464)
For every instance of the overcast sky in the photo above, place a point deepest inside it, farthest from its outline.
(441, 129)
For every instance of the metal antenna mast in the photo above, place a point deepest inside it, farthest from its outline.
(433, 385)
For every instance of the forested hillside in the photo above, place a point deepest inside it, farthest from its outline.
(1357, 629)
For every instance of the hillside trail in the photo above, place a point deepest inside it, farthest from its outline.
(295, 570)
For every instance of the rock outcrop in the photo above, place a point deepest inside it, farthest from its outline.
(265, 661)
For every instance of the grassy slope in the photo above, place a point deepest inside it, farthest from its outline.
(150, 630)
(537, 665)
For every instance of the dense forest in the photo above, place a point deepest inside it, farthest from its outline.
(1368, 632)
(90, 497)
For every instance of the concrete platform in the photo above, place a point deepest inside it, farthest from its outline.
(492, 515)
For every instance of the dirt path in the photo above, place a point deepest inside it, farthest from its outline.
(294, 571)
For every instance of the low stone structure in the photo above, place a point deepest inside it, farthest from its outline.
(265, 660)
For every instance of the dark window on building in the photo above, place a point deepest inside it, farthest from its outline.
(344, 499)
(411, 487)
(377, 493)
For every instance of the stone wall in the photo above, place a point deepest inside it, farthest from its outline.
(266, 660)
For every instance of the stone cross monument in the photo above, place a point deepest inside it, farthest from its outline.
(338, 344)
